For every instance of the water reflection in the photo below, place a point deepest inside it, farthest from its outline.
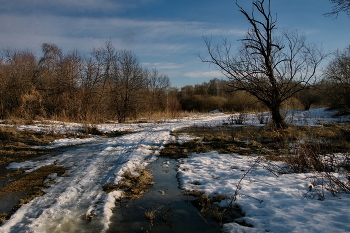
(172, 211)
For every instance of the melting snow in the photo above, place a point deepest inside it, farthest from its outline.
(270, 203)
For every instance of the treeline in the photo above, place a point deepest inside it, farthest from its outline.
(219, 94)
(216, 94)
(109, 84)
(331, 89)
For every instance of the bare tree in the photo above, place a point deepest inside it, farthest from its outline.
(18, 74)
(270, 67)
(65, 86)
(173, 103)
(338, 70)
(157, 85)
(337, 74)
(90, 90)
(130, 85)
(58, 81)
(103, 69)
(339, 6)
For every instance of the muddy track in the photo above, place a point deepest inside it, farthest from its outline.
(66, 204)
(76, 202)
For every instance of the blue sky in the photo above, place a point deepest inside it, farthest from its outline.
(164, 34)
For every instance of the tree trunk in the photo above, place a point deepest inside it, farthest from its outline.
(277, 119)
(307, 106)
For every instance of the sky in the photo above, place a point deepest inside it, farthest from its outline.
(164, 34)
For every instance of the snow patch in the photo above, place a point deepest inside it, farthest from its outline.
(271, 204)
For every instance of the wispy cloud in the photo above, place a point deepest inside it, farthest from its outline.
(163, 65)
(201, 74)
(64, 7)
(127, 33)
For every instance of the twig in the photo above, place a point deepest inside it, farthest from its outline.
(234, 197)
(202, 218)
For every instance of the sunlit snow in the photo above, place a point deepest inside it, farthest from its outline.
(271, 203)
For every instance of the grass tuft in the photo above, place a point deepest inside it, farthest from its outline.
(207, 207)
(176, 150)
(133, 185)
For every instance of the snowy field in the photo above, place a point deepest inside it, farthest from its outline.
(270, 203)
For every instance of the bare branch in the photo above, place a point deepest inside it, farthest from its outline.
(338, 7)
(270, 68)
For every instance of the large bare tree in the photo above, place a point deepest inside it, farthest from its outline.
(271, 67)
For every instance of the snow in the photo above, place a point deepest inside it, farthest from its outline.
(68, 142)
(270, 203)
(282, 203)
(91, 165)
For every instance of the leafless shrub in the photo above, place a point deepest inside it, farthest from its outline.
(262, 118)
(91, 129)
(237, 119)
(331, 171)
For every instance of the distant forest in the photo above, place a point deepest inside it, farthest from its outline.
(111, 84)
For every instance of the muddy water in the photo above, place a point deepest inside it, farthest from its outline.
(173, 211)
(8, 201)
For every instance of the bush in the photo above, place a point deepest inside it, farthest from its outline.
(330, 171)
(237, 119)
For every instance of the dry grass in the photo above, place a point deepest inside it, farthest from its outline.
(133, 185)
(300, 147)
(18, 121)
(303, 149)
(330, 171)
(241, 140)
(176, 150)
(28, 137)
(207, 207)
(267, 141)
(32, 182)
(91, 129)
(4, 217)
(159, 212)
(17, 145)
(30, 185)
(153, 213)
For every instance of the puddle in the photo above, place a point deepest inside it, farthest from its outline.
(172, 211)
(7, 176)
(8, 201)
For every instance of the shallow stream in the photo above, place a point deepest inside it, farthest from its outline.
(173, 211)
